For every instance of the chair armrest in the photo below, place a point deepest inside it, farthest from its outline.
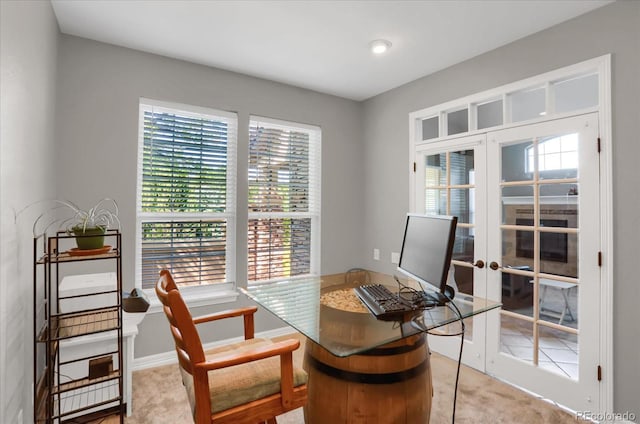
(247, 313)
(284, 349)
(275, 349)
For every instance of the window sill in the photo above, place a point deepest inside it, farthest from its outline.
(197, 296)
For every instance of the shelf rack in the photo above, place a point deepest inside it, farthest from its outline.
(59, 398)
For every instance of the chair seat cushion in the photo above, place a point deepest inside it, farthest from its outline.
(237, 385)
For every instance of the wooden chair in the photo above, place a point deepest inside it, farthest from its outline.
(240, 383)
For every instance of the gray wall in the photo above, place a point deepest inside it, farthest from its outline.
(28, 46)
(99, 89)
(612, 29)
(365, 152)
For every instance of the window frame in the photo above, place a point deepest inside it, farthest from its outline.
(315, 193)
(205, 294)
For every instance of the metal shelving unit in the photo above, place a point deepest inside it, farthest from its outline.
(60, 395)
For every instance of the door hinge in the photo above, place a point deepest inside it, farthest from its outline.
(414, 167)
(599, 258)
(599, 145)
(599, 373)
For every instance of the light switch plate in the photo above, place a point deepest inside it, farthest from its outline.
(395, 258)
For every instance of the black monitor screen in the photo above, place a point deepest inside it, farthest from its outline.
(427, 247)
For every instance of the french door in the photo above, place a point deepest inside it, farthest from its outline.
(451, 180)
(528, 206)
(543, 257)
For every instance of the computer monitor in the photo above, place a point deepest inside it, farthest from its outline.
(426, 252)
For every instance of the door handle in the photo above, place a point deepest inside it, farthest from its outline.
(494, 265)
(479, 263)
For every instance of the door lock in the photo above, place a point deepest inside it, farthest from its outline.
(479, 263)
(494, 265)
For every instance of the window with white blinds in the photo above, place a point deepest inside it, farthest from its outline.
(186, 194)
(284, 199)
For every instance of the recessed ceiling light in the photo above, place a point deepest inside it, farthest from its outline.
(380, 46)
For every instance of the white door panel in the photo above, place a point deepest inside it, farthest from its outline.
(450, 180)
(543, 221)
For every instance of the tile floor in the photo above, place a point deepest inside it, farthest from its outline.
(557, 350)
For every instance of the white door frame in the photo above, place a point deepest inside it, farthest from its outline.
(602, 66)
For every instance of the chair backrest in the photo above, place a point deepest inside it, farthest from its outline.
(185, 335)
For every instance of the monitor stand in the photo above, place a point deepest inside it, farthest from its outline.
(438, 298)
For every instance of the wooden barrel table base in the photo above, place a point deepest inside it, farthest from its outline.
(386, 385)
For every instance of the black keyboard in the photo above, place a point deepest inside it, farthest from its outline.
(381, 302)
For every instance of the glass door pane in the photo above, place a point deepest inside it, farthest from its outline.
(539, 234)
(450, 190)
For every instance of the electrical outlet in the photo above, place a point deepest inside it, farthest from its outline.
(376, 254)
(395, 257)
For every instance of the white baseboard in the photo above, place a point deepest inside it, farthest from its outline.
(166, 358)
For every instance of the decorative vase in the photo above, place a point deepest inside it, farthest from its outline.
(89, 238)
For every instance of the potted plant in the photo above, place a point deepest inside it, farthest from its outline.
(88, 225)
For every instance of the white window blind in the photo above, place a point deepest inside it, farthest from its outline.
(284, 199)
(186, 194)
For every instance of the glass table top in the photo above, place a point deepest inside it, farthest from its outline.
(326, 310)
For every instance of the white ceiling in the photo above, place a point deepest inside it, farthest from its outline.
(320, 45)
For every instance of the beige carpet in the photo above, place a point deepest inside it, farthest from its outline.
(159, 398)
